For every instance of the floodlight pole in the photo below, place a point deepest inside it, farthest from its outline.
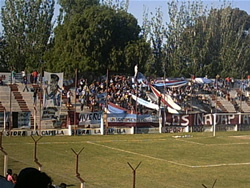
(77, 172)
(40, 100)
(10, 115)
(75, 101)
(134, 172)
(4, 120)
(163, 123)
(35, 152)
(214, 126)
(5, 154)
(35, 115)
(106, 106)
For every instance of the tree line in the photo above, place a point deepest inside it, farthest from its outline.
(94, 36)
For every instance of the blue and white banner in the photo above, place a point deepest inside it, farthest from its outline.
(174, 83)
(145, 103)
(53, 83)
(2, 118)
(112, 108)
(24, 119)
(131, 118)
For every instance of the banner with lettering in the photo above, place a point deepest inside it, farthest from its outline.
(2, 118)
(90, 118)
(113, 119)
(202, 119)
(199, 119)
(85, 118)
(24, 119)
(128, 120)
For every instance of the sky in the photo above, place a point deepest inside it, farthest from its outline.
(136, 7)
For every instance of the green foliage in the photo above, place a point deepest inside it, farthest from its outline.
(27, 27)
(95, 40)
(206, 42)
(71, 7)
(157, 66)
(93, 36)
(3, 57)
(116, 5)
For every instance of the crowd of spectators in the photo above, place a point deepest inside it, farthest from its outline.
(119, 89)
(96, 94)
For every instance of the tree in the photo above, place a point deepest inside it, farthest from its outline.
(206, 42)
(116, 5)
(184, 38)
(71, 7)
(3, 61)
(137, 52)
(94, 40)
(234, 52)
(153, 31)
(27, 28)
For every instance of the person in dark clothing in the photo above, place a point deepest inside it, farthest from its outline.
(34, 96)
(25, 82)
(62, 185)
(33, 178)
(1, 82)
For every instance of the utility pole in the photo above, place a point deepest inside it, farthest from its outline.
(40, 100)
(106, 106)
(10, 115)
(75, 101)
(215, 114)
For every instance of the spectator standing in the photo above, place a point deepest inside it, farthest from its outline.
(232, 82)
(82, 83)
(35, 75)
(34, 96)
(13, 76)
(23, 75)
(1, 82)
(9, 175)
(69, 95)
(14, 178)
(82, 99)
(25, 82)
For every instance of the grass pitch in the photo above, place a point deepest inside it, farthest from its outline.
(166, 162)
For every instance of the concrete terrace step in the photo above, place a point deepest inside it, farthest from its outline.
(244, 106)
(228, 105)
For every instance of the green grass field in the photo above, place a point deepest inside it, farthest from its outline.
(166, 162)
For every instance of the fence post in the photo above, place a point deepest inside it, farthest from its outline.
(134, 172)
(35, 152)
(5, 155)
(77, 172)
